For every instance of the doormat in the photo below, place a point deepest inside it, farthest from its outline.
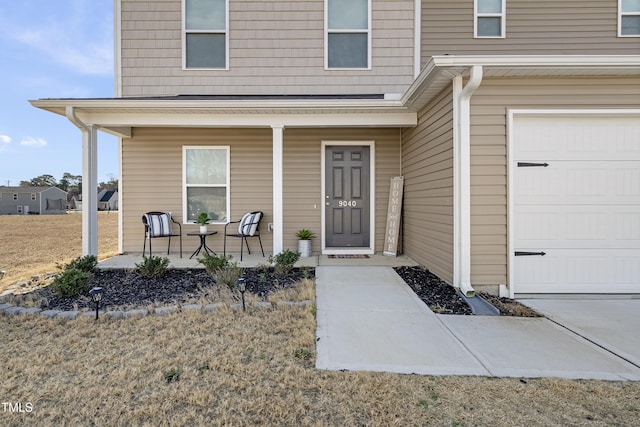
(348, 256)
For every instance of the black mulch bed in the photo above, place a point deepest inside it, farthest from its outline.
(444, 299)
(440, 297)
(125, 289)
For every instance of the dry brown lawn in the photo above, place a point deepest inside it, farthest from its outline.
(34, 244)
(257, 368)
(235, 368)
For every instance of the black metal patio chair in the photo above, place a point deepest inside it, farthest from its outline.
(248, 226)
(159, 224)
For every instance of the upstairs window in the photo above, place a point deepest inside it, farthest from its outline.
(15, 196)
(348, 34)
(33, 196)
(629, 18)
(206, 177)
(489, 18)
(206, 42)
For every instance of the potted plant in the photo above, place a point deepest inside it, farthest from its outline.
(304, 242)
(203, 220)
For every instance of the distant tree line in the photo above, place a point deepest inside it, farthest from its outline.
(70, 183)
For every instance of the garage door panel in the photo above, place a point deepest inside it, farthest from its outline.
(581, 182)
(601, 227)
(577, 138)
(576, 199)
(581, 271)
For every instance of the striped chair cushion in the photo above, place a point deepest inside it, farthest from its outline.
(249, 223)
(159, 225)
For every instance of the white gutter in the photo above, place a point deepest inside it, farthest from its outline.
(462, 179)
(89, 183)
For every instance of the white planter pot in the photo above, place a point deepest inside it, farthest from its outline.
(304, 247)
(203, 229)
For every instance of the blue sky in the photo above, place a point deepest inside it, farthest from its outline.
(52, 49)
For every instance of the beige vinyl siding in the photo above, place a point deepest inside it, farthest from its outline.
(489, 151)
(281, 43)
(561, 27)
(427, 166)
(302, 177)
(152, 180)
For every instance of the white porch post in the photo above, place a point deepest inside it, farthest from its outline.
(278, 174)
(90, 191)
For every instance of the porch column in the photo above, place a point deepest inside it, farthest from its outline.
(89, 182)
(90, 191)
(278, 179)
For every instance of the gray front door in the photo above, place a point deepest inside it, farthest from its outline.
(347, 195)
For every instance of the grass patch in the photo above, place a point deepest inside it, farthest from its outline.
(37, 244)
(257, 368)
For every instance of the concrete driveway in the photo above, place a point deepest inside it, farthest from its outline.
(369, 319)
(613, 324)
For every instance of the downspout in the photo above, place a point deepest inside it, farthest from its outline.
(462, 179)
(89, 183)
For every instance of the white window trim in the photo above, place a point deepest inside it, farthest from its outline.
(227, 148)
(327, 30)
(502, 16)
(620, 15)
(184, 39)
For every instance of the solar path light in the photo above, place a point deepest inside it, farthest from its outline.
(242, 285)
(96, 296)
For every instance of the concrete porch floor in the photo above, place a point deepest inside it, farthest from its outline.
(129, 260)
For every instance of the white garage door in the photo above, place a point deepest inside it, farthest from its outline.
(576, 204)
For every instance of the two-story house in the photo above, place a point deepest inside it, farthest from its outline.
(32, 200)
(515, 124)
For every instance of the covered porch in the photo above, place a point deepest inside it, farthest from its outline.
(256, 259)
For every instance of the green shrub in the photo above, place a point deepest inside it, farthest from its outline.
(71, 282)
(87, 263)
(154, 266)
(228, 275)
(212, 264)
(284, 261)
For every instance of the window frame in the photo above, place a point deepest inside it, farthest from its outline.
(621, 14)
(227, 186)
(15, 196)
(327, 31)
(33, 197)
(503, 20)
(185, 31)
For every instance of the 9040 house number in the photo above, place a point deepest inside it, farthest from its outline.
(347, 203)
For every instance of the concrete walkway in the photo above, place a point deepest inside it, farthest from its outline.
(369, 319)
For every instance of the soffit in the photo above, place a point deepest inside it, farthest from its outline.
(359, 110)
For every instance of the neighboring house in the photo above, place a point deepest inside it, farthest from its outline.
(32, 200)
(107, 200)
(516, 125)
